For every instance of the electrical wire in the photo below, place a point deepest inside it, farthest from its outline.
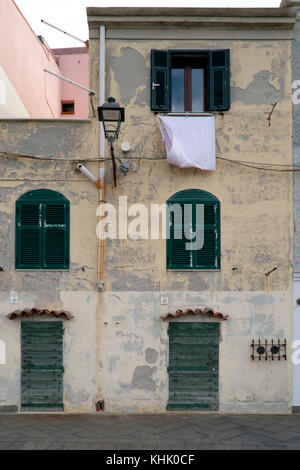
(254, 165)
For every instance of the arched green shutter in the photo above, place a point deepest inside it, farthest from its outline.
(160, 80)
(209, 256)
(42, 231)
(219, 80)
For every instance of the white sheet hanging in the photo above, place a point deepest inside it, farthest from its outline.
(190, 141)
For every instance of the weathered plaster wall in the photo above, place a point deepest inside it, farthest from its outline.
(256, 220)
(116, 347)
(72, 290)
(296, 144)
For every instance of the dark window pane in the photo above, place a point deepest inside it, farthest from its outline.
(218, 88)
(178, 90)
(67, 107)
(197, 90)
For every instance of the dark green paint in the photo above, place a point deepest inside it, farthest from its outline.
(42, 365)
(42, 231)
(193, 366)
(218, 78)
(209, 256)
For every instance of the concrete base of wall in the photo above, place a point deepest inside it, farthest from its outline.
(9, 409)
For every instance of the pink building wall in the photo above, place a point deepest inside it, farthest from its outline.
(31, 92)
(73, 63)
(23, 58)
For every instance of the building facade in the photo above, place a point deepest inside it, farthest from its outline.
(120, 350)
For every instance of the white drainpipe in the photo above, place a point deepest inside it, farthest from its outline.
(100, 282)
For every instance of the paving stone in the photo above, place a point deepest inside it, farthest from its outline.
(172, 431)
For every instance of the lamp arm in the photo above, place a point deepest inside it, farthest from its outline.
(112, 153)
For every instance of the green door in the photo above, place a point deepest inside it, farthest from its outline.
(193, 366)
(42, 366)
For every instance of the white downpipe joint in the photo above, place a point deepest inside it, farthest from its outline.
(80, 167)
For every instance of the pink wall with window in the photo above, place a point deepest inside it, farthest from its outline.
(73, 63)
(26, 90)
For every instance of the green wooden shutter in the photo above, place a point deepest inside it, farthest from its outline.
(28, 235)
(209, 257)
(42, 231)
(219, 80)
(160, 80)
(178, 256)
(56, 235)
(42, 365)
(193, 366)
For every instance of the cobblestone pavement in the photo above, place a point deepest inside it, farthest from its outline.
(172, 431)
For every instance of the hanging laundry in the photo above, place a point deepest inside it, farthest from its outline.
(190, 141)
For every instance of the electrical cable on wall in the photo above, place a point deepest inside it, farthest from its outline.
(254, 165)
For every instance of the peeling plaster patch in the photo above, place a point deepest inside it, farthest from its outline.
(261, 299)
(142, 378)
(118, 318)
(113, 360)
(75, 397)
(122, 67)
(151, 355)
(259, 91)
(197, 284)
(242, 327)
(133, 346)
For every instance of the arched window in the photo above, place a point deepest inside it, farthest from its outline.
(42, 230)
(194, 239)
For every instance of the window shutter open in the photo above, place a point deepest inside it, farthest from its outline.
(219, 80)
(28, 235)
(160, 80)
(56, 236)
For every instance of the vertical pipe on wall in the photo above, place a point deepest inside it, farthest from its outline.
(100, 282)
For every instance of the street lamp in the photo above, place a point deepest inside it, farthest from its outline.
(111, 115)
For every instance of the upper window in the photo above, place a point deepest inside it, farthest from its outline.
(67, 107)
(42, 230)
(190, 81)
(194, 239)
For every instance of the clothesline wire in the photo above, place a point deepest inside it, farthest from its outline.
(253, 165)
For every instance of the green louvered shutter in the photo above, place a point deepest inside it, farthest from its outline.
(42, 366)
(28, 235)
(209, 257)
(219, 80)
(193, 366)
(181, 256)
(160, 80)
(178, 256)
(56, 235)
(42, 231)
